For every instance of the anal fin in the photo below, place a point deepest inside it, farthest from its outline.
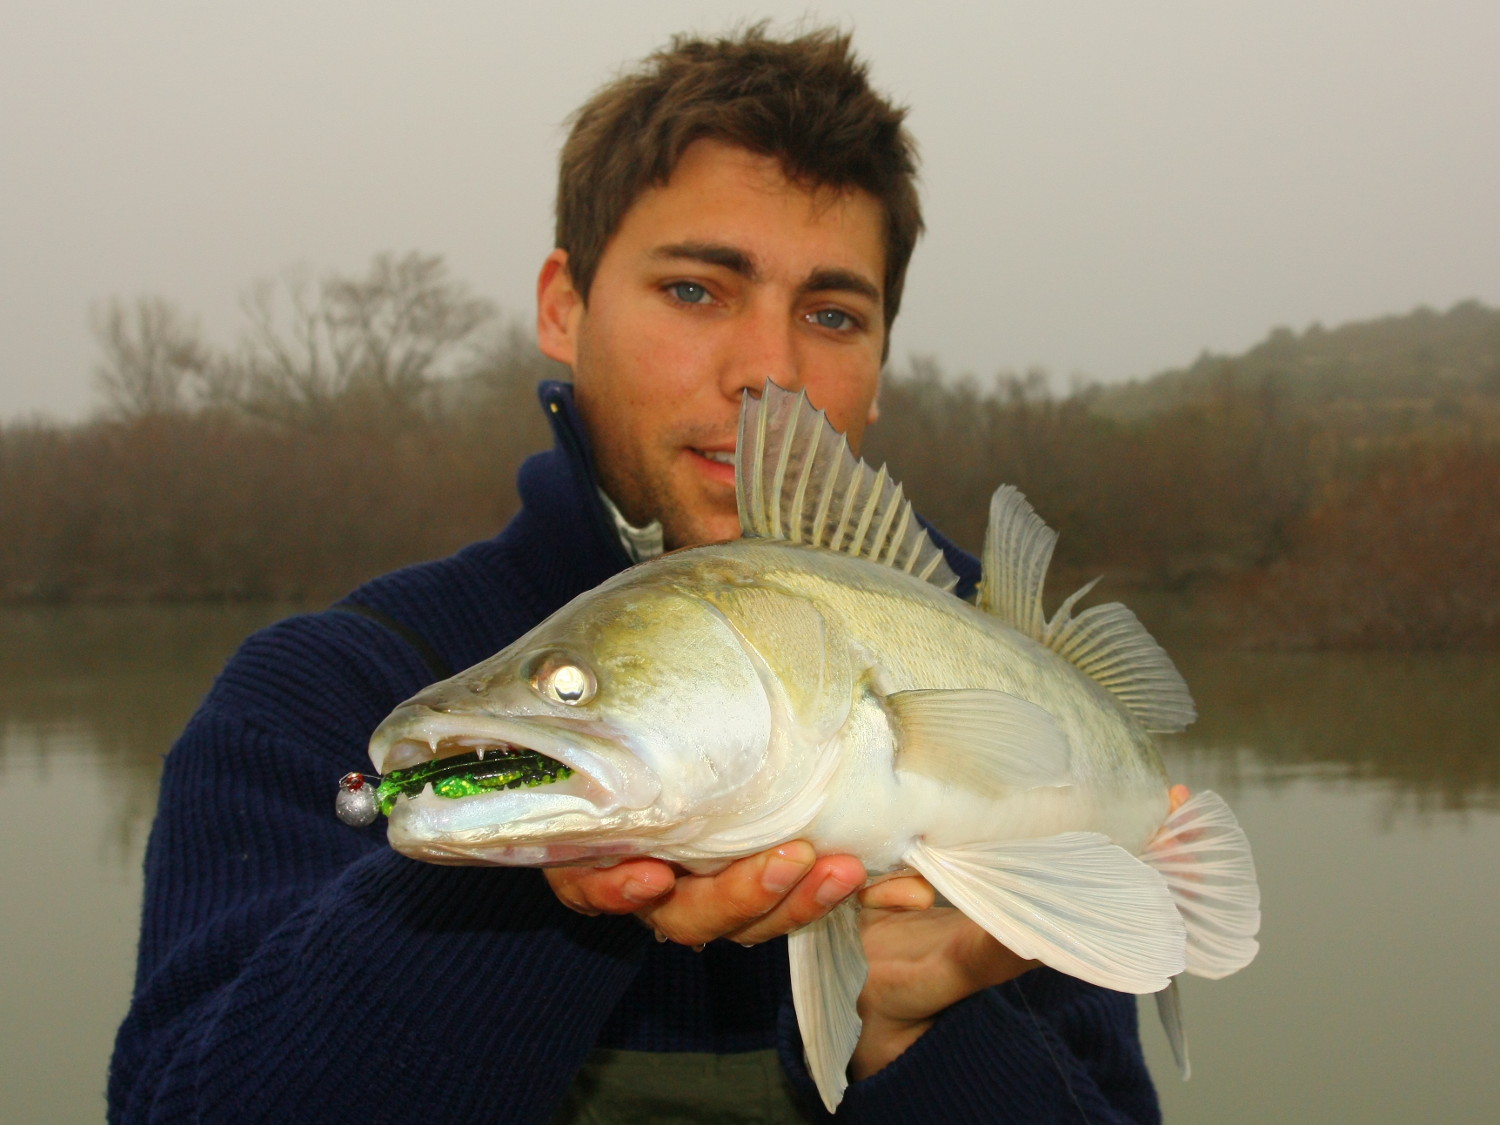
(828, 971)
(1076, 901)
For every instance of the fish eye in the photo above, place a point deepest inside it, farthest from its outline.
(562, 679)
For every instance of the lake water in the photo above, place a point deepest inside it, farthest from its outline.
(1369, 785)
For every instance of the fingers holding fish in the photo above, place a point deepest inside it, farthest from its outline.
(830, 881)
(898, 892)
(621, 889)
(752, 900)
(757, 898)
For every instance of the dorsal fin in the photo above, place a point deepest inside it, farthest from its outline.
(797, 480)
(1107, 642)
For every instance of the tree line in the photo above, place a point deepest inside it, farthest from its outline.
(363, 422)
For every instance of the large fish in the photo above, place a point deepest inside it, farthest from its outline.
(817, 679)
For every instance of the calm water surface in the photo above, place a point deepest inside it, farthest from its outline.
(1369, 784)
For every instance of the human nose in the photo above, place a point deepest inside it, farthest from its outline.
(764, 348)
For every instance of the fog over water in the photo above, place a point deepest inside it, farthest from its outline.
(1109, 188)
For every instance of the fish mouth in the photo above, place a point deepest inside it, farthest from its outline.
(418, 751)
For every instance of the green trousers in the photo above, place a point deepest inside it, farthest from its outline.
(680, 1088)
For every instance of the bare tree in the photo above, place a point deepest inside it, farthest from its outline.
(380, 340)
(154, 358)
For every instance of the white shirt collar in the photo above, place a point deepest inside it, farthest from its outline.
(640, 543)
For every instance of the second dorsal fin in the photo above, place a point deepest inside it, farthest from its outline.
(796, 479)
(1107, 642)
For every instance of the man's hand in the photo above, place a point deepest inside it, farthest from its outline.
(921, 962)
(752, 900)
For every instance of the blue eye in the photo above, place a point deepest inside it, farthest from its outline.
(689, 292)
(837, 319)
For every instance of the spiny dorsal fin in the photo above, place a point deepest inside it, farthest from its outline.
(797, 480)
(1107, 642)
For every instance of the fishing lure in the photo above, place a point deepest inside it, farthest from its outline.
(361, 798)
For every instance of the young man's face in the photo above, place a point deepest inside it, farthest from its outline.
(727, 276)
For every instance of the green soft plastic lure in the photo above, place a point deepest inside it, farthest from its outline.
(362, 798)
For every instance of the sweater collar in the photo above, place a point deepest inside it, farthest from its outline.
(562, 485)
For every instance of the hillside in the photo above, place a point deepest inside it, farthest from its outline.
(1421, 371)
(1337, 487)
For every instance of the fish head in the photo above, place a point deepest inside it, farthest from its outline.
(631, 713)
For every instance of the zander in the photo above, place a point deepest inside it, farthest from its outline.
(817, 679)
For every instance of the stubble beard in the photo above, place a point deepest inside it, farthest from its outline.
(644, 492)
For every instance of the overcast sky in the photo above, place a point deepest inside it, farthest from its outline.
(1110, 187)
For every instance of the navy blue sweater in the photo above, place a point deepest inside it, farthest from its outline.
(294, 969)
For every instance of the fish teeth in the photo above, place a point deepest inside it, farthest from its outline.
(479, 752)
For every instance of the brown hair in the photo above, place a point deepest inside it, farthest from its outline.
(805, 101)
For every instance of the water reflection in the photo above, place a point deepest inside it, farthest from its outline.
(107, 689)
(90, 700)
(1374, 997)
(1425, 724)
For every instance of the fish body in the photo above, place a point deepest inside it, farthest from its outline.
(817, 679)
(750, 679)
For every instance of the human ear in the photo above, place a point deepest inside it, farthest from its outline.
(558, 310)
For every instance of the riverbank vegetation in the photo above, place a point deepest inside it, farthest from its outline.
(1330, 487)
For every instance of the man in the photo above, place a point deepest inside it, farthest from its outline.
(737, 211)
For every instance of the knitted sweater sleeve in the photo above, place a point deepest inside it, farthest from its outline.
(294, 969)
(1043, 1048)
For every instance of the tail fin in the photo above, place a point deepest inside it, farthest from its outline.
(1202, 853)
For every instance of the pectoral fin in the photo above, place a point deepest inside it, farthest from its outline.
(989, 742)
(1077, 902)
(1204, 856)
(828, 972)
